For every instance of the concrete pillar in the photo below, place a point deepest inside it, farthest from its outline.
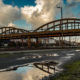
(69, 41)
(29, 42)
(37, 40)
(59, 41)
(22, 43)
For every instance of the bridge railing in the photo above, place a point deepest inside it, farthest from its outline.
(11, 30)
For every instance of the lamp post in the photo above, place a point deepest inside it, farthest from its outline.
(61, 12)
(61, 8)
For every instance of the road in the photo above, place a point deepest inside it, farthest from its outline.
(8, 59)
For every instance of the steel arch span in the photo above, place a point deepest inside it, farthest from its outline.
(61, 24)
(65, 27)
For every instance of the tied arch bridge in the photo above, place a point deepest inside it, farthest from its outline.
(59, 28)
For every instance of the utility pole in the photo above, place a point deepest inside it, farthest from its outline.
(61, 9)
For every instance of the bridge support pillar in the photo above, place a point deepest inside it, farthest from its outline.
(29, 42)
(22, 42)
(37, 42)
(69, 41)
(59, 41)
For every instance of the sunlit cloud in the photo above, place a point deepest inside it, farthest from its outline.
(8, 14)
(44, 11)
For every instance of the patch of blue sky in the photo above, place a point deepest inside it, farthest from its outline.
(65, 1)
(20, 3)
(23, 24)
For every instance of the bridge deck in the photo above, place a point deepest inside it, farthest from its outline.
(73, 32)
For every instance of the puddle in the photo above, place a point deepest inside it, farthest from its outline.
(55, 54)
(23, 70)
(78, 50)
(23, 73)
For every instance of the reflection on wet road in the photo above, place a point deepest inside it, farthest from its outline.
(27, 71)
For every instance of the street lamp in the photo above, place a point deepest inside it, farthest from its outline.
(60, 26)
(61, 12)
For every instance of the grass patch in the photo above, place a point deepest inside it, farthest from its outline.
(6, 55)
(71, 72)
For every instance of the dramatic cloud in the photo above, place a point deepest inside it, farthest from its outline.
(8, 14)
(70, 1)
(44, 11)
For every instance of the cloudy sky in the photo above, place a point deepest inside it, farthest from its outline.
(30, 14)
